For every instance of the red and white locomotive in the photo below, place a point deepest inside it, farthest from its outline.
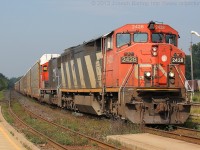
(135, 72)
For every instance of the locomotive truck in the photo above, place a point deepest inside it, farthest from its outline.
(135, 72)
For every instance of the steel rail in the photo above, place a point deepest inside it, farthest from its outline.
(195, 105)
(195, 116)
(188, 131)
(52, 142)
(100, 144)
(173, 135)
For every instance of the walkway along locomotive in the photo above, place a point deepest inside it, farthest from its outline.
(135, 72)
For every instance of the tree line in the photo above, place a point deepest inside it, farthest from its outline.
(6, 83)
(196, 63)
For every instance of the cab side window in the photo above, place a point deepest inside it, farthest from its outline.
(109, 43)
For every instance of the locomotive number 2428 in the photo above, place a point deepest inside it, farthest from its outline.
(128, 59)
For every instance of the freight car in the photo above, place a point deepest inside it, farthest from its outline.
(195, 83)
(32, 83)
(135, 72)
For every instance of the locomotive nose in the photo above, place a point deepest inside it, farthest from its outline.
(163, 60)
(162, 53)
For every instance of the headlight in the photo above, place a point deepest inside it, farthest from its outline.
(148, 74)
(171, 74)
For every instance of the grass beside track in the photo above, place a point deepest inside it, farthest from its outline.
(196, 97)
(53, 132)
(4, 107)
(193, 124)
(195, 111)
(94, 128)
(1, 95)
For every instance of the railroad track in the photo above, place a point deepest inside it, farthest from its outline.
(55, 144)
(100, 144)
(195, 116)
(32, 130)
(195, 105)
(187, 131)
(180, 133)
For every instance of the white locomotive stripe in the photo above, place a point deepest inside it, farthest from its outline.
(145, 65)
(68, 75)
(162, 70)
(99, 55)
(73, 73)
(80, 69)
(90, 71)
(63, 76)
(98, 67)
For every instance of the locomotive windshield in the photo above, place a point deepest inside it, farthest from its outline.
(123, 39)
(140, 37)
(171, 39)
(157, 37)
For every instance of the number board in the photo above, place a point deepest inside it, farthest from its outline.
(128, 60)
(178, 60)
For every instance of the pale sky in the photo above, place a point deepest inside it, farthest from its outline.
(31, 28)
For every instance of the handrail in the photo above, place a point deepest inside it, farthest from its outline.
(179, 75)
(187, 82)
(183, 77)
(127, 82)
(124, 81)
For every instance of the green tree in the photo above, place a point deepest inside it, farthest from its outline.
(3, 82)
(6, 83)
(188, 67)
(12, 82)
(196, 62)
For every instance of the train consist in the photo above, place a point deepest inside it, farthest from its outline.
(135, 72)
